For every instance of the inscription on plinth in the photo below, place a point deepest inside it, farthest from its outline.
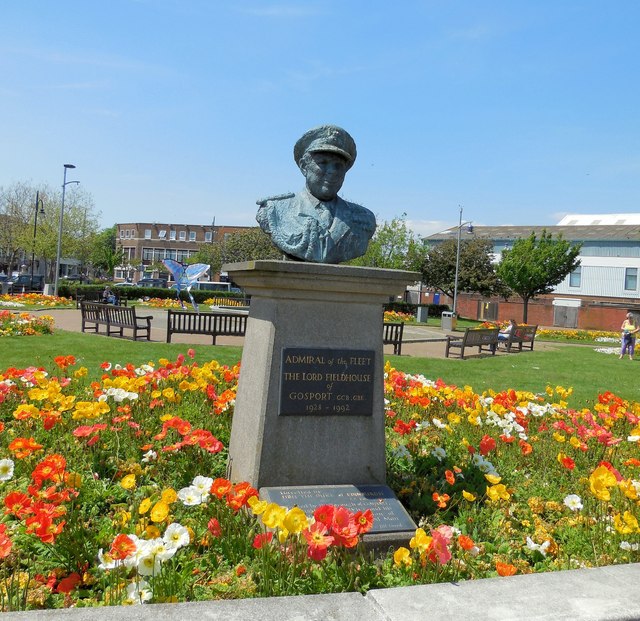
(326, 382)
(389, 516)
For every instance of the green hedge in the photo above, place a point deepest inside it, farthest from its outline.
(435, 310)
(135, 293)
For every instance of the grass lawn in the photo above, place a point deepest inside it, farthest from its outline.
(92, 350)
(579, 366)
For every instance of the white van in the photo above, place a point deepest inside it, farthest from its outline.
(213, 286)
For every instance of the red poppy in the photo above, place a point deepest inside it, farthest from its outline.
(5, 542)
(504, 569)
(466, 543)
(525, 447)
(487, 444)
(17, 503)
(363, 521)
(214, 528)
(449, 476)
(441, 499)
(122, 547)
(220, 487)
(66, 585)
(261, 539)
(324, 514)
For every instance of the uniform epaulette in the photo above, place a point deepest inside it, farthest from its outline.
(277, 197)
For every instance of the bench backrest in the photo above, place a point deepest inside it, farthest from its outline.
(524, 333)
(207, 323)
(120, 314)
(392, 332)
(91, 311)
(479, 336)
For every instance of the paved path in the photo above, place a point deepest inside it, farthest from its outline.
(419, 341)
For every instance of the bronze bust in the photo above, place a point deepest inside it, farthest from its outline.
(316, 224)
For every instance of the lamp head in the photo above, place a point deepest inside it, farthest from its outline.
(69, 166)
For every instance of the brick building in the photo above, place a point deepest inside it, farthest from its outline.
(596, 295)
(145, 244)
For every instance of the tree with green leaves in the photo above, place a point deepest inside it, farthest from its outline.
(534, 266)
(106, 256)
(393, 246)
(17, 209)
(476, 272)
(249, 245)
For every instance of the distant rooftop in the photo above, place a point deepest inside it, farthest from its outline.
(598, 232)
(601, 218)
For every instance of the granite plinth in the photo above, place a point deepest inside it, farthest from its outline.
(312, 307)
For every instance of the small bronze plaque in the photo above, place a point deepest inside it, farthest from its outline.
(326, 382)
(389, 516)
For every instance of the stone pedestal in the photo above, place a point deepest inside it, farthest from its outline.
(310, 406)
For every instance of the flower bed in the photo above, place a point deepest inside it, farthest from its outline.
(34, 299)
(114, 491)
(24, 324)
(398, 316)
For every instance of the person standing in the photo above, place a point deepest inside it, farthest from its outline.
(629, 330)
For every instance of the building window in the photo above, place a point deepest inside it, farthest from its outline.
(183, 235)
(172, 235)
(192, 236)
(162, 234)
(121, 233)
(147, 233)
(133, 232)
(208, 237)
(575, 277)
(631, 279)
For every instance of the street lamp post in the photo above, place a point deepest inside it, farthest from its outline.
(39, 203)
(455, 284)
(65, 183)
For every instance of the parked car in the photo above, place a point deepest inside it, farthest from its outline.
(25, 283)
(152, 282)
(125, 283)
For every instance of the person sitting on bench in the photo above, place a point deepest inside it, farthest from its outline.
(503, 335)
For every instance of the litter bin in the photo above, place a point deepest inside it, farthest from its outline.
(422, 314)
(448, 321)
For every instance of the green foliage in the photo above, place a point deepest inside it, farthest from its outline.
(476, 272)
(393, 246)
(105, 255)
(250, 245)
(536, 265)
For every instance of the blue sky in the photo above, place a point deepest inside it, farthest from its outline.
(187, 110)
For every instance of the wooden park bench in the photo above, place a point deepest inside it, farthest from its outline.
(485, 339)
(392, 335)
(521, 336)
(115, 319)
(92, 315)
(121, 317)
(211, 324)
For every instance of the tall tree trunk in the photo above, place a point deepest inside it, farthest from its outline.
(525, 309)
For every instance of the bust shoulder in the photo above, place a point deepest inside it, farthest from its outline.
(271, 199)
